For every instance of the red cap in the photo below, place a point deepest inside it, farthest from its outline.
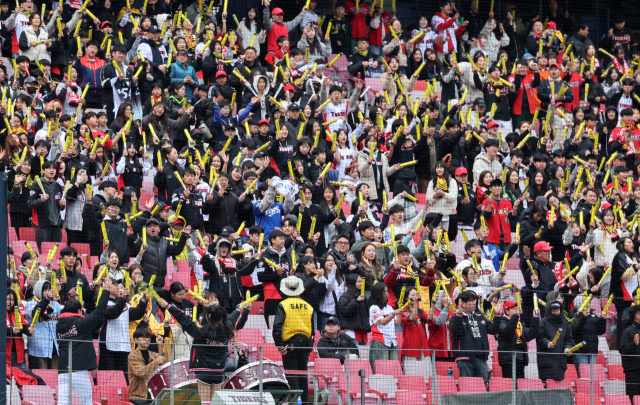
(509, 304)
(542, 245)
(263, 122)
(289, 88)
(105, 23)
(559, 104)
(551, 25)
(220, 73)
(492, 124)
(278, 10)
(554, 65)
(461, 171)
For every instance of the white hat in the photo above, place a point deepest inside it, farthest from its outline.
(291, 286)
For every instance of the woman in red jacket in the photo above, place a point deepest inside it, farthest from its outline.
(414, 323)
(15, 343)
(439, 333)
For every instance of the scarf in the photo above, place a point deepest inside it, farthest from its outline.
(613, 233)
(622, 69)
(441, 184)
(228, 262)
(176, 100)
(25, 12)
(364, 53)
(557, 270)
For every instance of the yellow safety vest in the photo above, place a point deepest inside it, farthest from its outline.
(298, 318)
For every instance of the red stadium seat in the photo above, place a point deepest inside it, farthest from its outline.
(446, 385)
(636, 400)
(412, 383)
(617, 400)
(28, 234)
(582, 399)
(598, 372)
(38, 394)
(530, 384)
(559, 384)
(442, 368)
(48, 246)
(409, 397)
(471, 385)
(355, 365)
(616, 372)
(388, 367)
(82, 248)
(50, 377)
(500, 384)
(271, 353)
(584, 387)
(183, 266)
(112, 378)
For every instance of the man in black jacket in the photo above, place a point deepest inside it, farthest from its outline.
(470, 342)
(513, 336)
(363, 59)
(46, 204)
(78, 329)
(336, 345)
(630, 350)
(74, 279)
(194, 206)
(118, 232)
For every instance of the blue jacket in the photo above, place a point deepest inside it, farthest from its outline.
(41, 344)
(178, 73)
(219, 121)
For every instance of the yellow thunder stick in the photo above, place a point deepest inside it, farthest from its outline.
(606, 307)
(576, 347)
(556, 337)
(35, 318)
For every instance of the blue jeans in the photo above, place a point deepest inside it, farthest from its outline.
(474, 368)
(322, 319)
(580, 359)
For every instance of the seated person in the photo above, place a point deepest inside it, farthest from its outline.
(336, 345)
(142, 363)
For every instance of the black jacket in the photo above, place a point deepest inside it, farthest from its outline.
(629, 350)
(193, 208)
(548, 328)
(618, 267)
(167, 182)
(528, 230)
(505, 330)
(79, 328)
(224, 280)
(118, 239)
(545, 273)
(267, 274)
(462, 342)
(353, 314)
(336, 348)
(587, 329)
(225, 210)
(314, 291)
(154, 260)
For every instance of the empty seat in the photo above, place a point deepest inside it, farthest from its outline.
(471, 384)
(354, 391)
(409, 398)
(50, 377)
(530, 384)
(271, 353)
(616, 372)
(582, 399)
(82, 248)
(636, 400)
(382, 384)
(355, 365)
(614, 357)
(251, 337)
(38, 394)
(442, 368)
(28, 234)
(598, 372)
(257, 322)
(500, 384)
(614, 388)
(446, 385)
(584, 387)
(617, 400)
(559, 384)
(388, 367)
(412, 383)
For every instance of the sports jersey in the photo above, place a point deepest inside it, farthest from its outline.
(382, 333)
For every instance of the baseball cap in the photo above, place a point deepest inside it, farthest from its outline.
(460, 171)
(277, 11)
(289, 87)
(554, 65)
(263, 121)
(509, 304)
(154, 28)
(106, 23)
(227, 231)
(152, 221)
(229, 126)
(495, 182)
(551, 25)
(559, 104)
(479, 102)
(554, 305)
(293, 107)
(542, 245)
(492, 124)
(182, 52)
(220, 73)
(30, 79)
(527, 56)
(334, 320)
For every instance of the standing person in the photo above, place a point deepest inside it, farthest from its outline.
(270, 276)
(352, 309)
(293, 327)
(498, 213)
(629, 349)
(551, 363)
(46, 203)
(276, 28)
(383, 340)
(43, 349)
(414, 322)
(142, 362)
(513, 336)
(469, 331)
(446, 28)
(624, 278)
(78, 329)
(586, 327)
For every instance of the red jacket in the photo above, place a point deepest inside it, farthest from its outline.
(17, 340)
(414, 336)
(525, 85)
(499, 218)
(359, 22)
(278, 30)
(574, 82)
(377, 35)
(440, 336)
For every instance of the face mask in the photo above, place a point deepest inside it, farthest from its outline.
(465, 37)
(32, 90)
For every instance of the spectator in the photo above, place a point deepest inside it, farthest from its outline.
(513, 337)
(552, 364)
(336, 345)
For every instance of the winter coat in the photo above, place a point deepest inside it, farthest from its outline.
(629, 349)
(463, 342)
(548, 328)
(316, 55)
(337, 347)
(353, 314)
(246, 35)
(446, 204)
(366, 171)
(388, 83)
(505, 329)
(587, 329)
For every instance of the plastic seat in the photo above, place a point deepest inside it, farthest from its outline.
(112, 378)
(614, 388)
(500, 384)
(530, 384)
(82, 248)
(28, 234)
(38, 394)
(144, 197)
(409, 397)
(355, 365)
(183, 278)
(582, 399)
(598, 372)
(614, 358)
(471, 385)
(584, 387)
(571, 374)
(13, 237)
(384, 386)
(50, 377)
(636, 400)
(257, 322)
(252, 337)
(388, 367)
(616, 372)
(48, 246)
(271, 353)
(559, 384)
(32, 243)
(183, 266)
(412, 383)
(256, 306)
(442, 368)
(446, 385)
(354, 391)
(617, 400)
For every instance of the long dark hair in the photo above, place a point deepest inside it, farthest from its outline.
(127, 204)
(515, 189)
(447, 176)
(376, 296)
(257, 20)
(120, 115)
(339, 276)
(323, 203)
(212, 328)
(421, 313)
(350, 281)
(136, 160)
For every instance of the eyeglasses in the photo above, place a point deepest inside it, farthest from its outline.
(342, 243)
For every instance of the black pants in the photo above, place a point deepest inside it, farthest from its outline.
(507, 370)
(296, 359)
(20, 220)
(49, 234)
(270, 308)
(621, 305)
(632, 382)
(76, 237)
(110, 360)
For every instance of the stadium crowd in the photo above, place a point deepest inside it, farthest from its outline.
(295, 162)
